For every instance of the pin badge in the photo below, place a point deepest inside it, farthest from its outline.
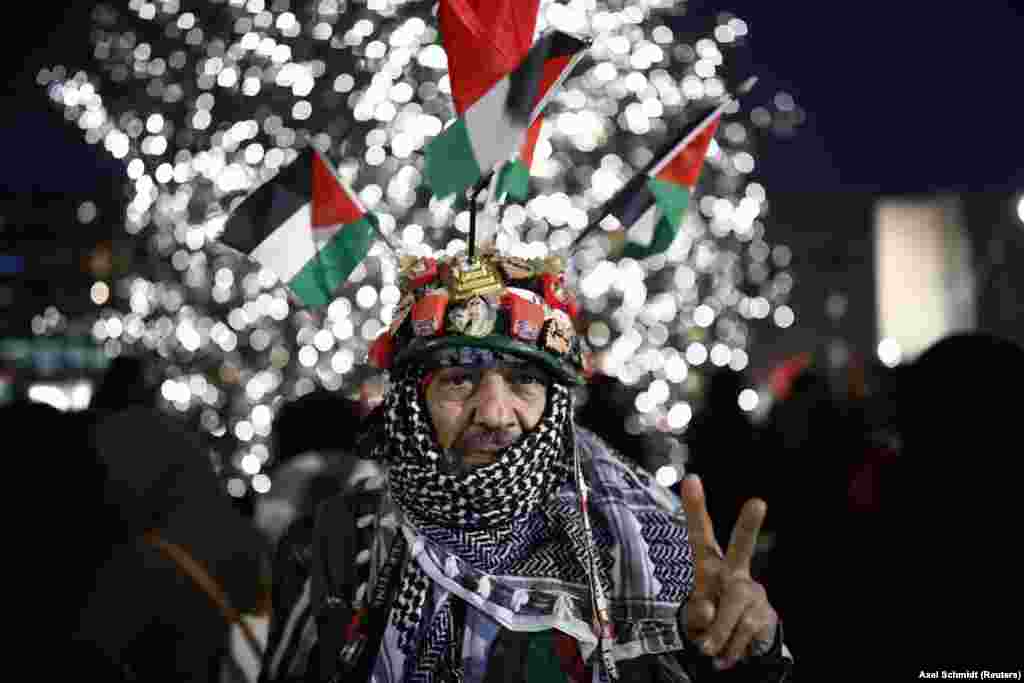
(475, 317)
(525, 314)
(516, 268)
(428, 313)
(420, 273)
(557, 296)
(557, 334)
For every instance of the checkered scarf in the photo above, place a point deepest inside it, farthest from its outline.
(512, 518)
(525, 473)
(502, 518)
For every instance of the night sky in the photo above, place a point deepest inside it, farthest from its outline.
(902, 96)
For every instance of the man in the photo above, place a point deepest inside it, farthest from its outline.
(509, 544)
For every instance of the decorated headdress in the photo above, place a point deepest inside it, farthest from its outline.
(492, 301)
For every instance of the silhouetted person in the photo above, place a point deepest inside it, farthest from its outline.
(810, 443)
(947, 572)
(62, 527)
(725, 452)
(124, 384)
(145, 613)
(311, 465)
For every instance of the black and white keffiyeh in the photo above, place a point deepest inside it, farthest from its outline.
(491, 497)
(515, 517)
(502, 518)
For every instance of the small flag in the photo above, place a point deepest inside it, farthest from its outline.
(514, 176)
(566, 52)
(485, 40)
(493, 107)
(651, 205)
(305, 226)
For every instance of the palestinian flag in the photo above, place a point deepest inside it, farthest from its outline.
(493, 100)
(305, 226)
(566, 52)
(651, 205)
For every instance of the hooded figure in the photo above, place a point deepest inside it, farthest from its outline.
(506, 543)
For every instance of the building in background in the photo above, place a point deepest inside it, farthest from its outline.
(924, 274)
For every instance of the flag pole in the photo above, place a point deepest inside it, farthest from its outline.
(474, 193)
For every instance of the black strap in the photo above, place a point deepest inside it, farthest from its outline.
(380, 613)
(337, 542)
(194, 569)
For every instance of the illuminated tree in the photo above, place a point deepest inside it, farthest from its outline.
(204, 105)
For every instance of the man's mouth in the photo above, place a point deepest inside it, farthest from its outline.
(481, 441)
(482, 447)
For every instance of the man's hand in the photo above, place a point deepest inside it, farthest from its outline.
(728, 615)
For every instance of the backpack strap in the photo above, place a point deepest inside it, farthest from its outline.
(192, 568)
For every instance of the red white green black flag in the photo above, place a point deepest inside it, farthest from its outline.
(306, 226)
(565, 53)
(495, 69)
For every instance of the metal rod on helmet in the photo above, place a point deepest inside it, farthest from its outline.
(474, 193)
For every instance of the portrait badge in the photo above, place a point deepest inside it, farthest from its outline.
(474, 317)
(557, 334)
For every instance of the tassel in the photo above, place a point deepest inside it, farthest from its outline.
(483, 587)
(519, 598)
(451, 567)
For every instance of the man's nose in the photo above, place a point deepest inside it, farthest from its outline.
(494, 402)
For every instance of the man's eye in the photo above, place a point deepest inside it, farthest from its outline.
(457, 380)
(525, 379)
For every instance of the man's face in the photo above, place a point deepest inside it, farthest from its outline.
(478, 411)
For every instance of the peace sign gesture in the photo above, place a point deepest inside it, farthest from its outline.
(728, 615)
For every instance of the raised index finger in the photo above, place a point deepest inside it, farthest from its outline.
(744, 535)
(702, 533)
